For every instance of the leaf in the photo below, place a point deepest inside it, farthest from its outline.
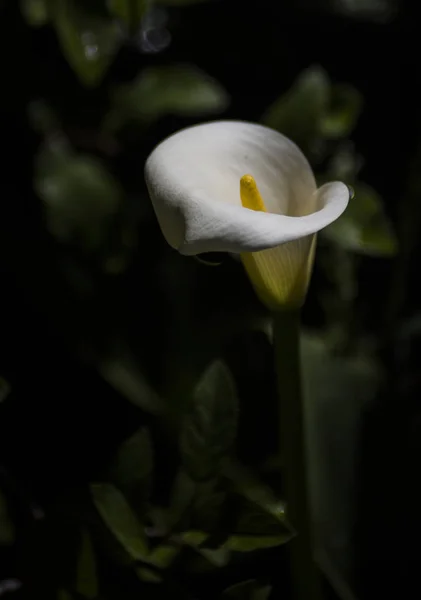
(162, 556)
(364, 226)
(148, 575)
(35, 12)
(259, 517)
(208, 504)
(129, 11)
(209, 430)
(181, 90)
(337, 391)
(218, 557)
(343, 165)
(243, 482)
(120, 519)
(124, 375)
(251, 543)
(133, 466)
(7, 530)
(343, 113)
(248, 590)
(258, 527)
(80, 197)
(89, 42)
(297, 113)
(182, 497)
(251, 527)
(86, 577)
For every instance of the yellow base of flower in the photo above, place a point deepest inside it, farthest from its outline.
(280, 276)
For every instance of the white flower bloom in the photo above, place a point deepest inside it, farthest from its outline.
(193, 178)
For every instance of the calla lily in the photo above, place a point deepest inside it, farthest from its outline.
(231, 186)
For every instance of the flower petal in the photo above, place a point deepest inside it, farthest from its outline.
(280, 276)
(193, 180)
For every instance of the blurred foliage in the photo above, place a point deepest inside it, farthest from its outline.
(179, 89)
(131, 13)
(338, 390)
(82, 199)
(364, 226)
(199, 508)
(173, 508)
(89, 41)
(314, 111)
(35, 12)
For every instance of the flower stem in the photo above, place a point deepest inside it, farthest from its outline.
(305, 577)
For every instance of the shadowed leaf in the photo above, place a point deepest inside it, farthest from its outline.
(178, 89)
(89, 42)
(120, 519)
(209, 429)
(364, 226)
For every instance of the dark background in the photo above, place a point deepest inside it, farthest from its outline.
(62, 421)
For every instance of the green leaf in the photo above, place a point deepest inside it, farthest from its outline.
(80, 197)
(120, 519)
(129, 11)
(182, 497)
(162, 556)
(208, 504)
(343, 112)
(343, 165)
(251, 543)
(122, 372)
(209, 429)
(181, 90)
(338, 391)
(252, 527)
(297, 113)
(364, 226)
(248, 590)
(89, 42)
(148, 575)
(133, 466)
(196, 539)
(233, 543)
(7, 530)
(260, 520)
(258, 527)
(86, 577)
(35, 12)
(243, 482)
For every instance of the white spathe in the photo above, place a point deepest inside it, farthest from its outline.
(193, 178)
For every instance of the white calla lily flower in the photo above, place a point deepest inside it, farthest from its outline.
(203, 185)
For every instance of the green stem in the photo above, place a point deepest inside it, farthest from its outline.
(306, 580)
